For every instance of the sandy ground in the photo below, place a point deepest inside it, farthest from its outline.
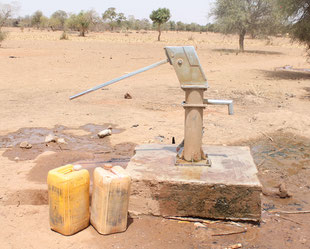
(39, 72)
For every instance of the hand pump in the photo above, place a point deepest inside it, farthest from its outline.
(193, 81)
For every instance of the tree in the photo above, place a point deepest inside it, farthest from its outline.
(160, 16)
(144, 24)
(172, 25)
(44, 22)
(211, 27)
(181, 26)
(297, 13)
(36, 18)
(110, 16)
(6, 12)
(120, 19)
(80, 22)
(244, 16)
(113, 18)
(58, 19)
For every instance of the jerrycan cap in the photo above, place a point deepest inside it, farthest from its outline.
(77, 167)
(107, 166)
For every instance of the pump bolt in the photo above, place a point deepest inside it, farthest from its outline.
(180, 62)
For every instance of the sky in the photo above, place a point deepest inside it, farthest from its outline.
(185, 11)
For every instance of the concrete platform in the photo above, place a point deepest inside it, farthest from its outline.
(229, 189)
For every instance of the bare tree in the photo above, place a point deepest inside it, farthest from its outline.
(6, 12)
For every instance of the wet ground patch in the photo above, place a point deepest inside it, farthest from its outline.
(87, 141)
(82, 146)
(283, 158)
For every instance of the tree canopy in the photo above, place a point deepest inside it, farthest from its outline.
(113, 18)
(36, 18)
(6, 12)
(245, 16)
(81, 22)
(298, 14)
(159, 17)
(58, 19)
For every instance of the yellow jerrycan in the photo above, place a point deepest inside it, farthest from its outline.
(110, 197)
(68, 195)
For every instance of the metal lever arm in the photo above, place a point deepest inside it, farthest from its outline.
(120, 78)
(230, 104)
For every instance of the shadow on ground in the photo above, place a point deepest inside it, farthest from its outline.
(236, 51)
(285, 75)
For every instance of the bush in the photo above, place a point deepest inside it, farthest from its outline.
(64, 36)
(2, 36)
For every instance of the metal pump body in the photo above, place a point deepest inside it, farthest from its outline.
(194, 82)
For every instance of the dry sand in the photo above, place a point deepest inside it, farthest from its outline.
(39, 72)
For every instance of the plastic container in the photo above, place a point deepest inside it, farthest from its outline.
(109, 207)
(68, 195)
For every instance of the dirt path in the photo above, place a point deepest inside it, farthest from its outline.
(38, 74)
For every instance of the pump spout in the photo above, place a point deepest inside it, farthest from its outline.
(229, 103)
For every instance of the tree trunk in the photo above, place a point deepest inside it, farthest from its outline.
(241, 40)
(82, 32)
(159, 32)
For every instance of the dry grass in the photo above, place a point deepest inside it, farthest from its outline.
(171, 38)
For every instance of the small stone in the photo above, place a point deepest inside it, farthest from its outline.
(16, 158)
(50, 138)
(104, 133)
(198, 224)
(236, 246)
(25, 145)
(290, 95)
(135, 126)
(127, 96)
(283, 191)
(61, 141)
(160, 138)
